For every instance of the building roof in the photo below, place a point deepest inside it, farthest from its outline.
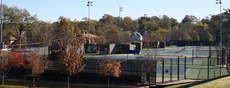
(137, 34)
(87, 35)
(12, 38)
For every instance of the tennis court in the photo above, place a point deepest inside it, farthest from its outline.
(196, 66)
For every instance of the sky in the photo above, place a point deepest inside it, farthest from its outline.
(51, 10)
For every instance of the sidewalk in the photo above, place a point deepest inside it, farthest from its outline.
(174, 81)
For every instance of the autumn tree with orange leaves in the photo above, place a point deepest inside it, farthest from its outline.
(12, 60)
(110, 68)
(71, 57)
(37, 64)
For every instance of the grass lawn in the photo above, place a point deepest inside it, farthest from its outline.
(20, 84)
(221, 82)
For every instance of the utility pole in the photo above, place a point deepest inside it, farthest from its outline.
(219, 2)
(159, 28)
(120, 9)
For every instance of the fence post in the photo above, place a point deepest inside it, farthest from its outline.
(227, 61)
(220, 61)
(223, 56)
(163, 68)
(220, 69)
(210, 55)
(155, 62)
(192, 55)
(171, 70)
(178, 76)
(208, 69)
(218, 57)
(196, 51)
(130, 75)
(185, 67)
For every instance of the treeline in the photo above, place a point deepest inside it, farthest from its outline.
(27, 28)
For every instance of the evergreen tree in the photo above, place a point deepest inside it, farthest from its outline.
(196, 38)
(186, 37)
(207, 37)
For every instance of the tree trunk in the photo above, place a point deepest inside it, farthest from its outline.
(108, 81)
(68, 81)
(34, 80)
(3, 79)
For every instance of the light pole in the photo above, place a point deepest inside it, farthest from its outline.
(219, 2)
(145, 15)
(170, 22)
(120, 9)
(159, 28)
(89, 4)
(2, 44)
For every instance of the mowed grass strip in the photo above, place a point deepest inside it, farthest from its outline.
(21, 84)
(221, 82)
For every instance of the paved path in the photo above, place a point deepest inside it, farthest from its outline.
(174, 81)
